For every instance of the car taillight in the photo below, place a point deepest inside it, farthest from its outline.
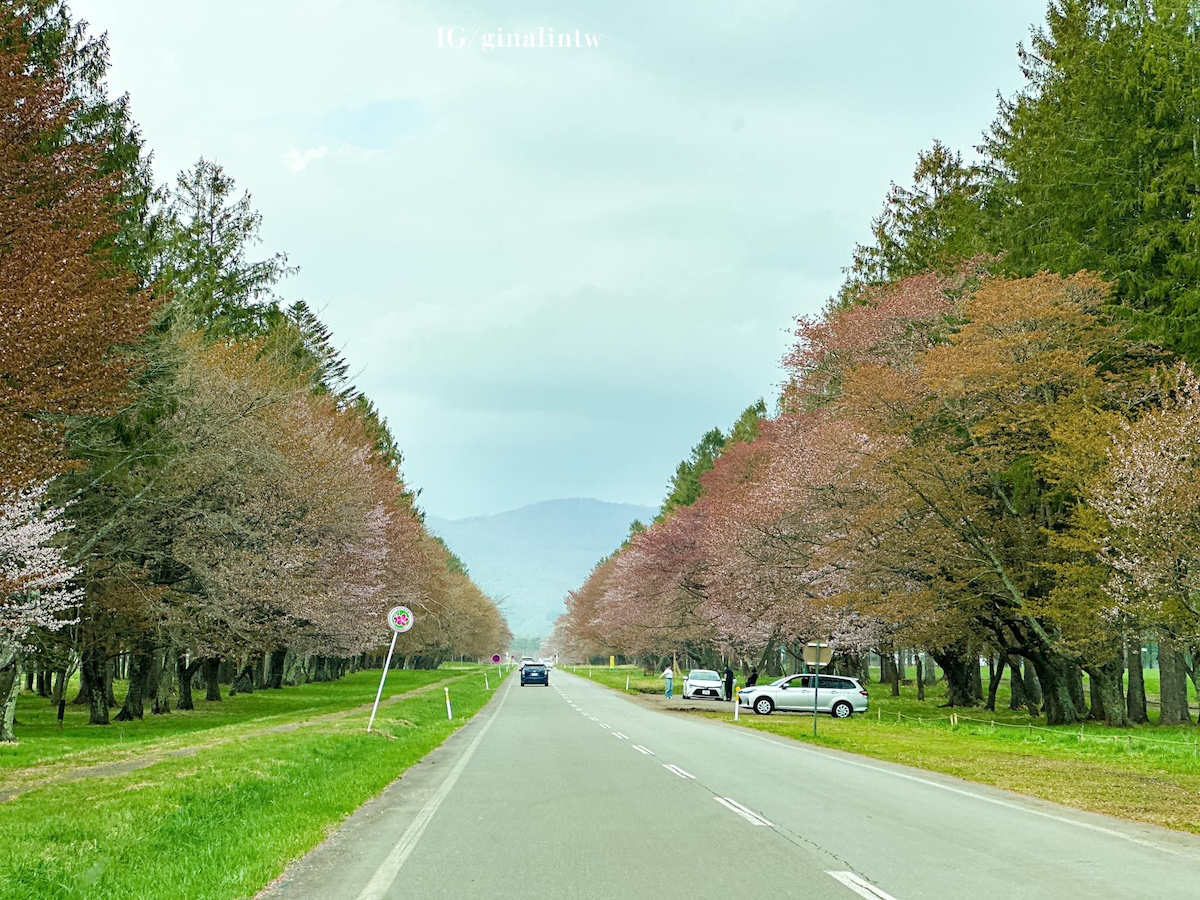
(864, 693)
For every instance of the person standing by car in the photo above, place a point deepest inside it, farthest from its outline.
(667, 675)
(728, 682)
(753, 679)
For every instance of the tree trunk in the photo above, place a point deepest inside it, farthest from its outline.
(920, 676)
(185, 672)
(140, 665)
(43, 680)
(84, 697)
(1056, 677)
(212, 679)
(293, 669)
(10, 687)
(1172, 696)
(1075, 688)
(93, 667)
(275, 668)
(1016, 693)
(1031, 689)
(244, 683)
(1095, 699)
(994, 681)
(110, 697)
(1108, 700)
(168, 665)
(961, 688)
(1135, 698)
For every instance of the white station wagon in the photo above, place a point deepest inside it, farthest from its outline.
(838, 695)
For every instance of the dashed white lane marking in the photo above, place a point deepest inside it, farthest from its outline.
(381, 881)
(678, 771)
(860, 886)
(621, 736)
(748, 814)
(640, 749)
(609, 727)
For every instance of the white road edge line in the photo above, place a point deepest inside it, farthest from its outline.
(860, 886)
(382, 880)
(954, 790)
(640, 749)
(1111, 832)
(678, 771)
(748, 814)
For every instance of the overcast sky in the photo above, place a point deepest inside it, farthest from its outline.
(553, 269)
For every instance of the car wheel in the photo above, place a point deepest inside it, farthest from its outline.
(841, 710)
(763, 706)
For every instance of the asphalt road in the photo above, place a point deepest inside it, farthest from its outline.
(576, 792)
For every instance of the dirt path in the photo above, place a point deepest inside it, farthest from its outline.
(121, 762)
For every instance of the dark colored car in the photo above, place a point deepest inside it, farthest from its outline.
(535, 673)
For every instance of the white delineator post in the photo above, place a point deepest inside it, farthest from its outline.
(486, 684)
(399, 619)
(449, 712)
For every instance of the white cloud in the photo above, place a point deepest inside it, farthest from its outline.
(297, 160)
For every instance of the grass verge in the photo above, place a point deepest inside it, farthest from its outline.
(1146, 773)
(221, 819)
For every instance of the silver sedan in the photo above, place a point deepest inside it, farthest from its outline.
(838, 695)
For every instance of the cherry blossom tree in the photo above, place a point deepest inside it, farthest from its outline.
(35, 585)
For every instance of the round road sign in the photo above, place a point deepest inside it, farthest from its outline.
(495, 657)
(400, 619)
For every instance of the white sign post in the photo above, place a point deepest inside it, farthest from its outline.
(399, 619)
(818, 654)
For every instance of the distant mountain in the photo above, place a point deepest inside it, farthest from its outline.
(529, 558)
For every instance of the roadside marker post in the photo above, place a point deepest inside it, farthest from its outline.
(399, 619)
(485, 681)
(449, 712)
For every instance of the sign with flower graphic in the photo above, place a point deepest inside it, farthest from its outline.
(400, 619)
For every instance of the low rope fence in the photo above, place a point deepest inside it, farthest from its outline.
(953, 720)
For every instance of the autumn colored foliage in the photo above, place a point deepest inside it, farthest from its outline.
(191, 492)
(64, 309)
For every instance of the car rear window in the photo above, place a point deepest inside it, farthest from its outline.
(534, 667)
(836, 684)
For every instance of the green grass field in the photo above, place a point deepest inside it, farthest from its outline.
(1145, 773)
(212, 803)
